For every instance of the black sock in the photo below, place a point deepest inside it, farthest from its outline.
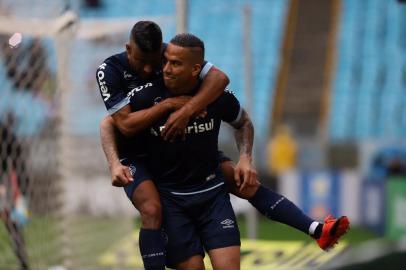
(152, 248)
(276, 207)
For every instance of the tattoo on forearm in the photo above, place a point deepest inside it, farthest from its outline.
(244, 134)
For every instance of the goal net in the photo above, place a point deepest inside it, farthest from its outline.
(33, 56)
(57, 207)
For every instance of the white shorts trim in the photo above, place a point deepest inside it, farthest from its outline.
(197, 192)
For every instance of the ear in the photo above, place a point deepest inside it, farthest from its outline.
(128, 48)
(196, 70)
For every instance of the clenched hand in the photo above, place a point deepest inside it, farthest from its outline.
(245, 175)
(120, 175)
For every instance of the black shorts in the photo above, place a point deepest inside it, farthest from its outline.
(198, 221)
(138, 169)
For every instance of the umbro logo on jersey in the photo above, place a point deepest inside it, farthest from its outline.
(227, 223)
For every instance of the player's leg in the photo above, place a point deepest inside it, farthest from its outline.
(227, 258)
(152, 247)
(269, 203)
(219, 232)
(146, 199)
(278, 208)
(184, 249)
(144, 196)
(192, 263)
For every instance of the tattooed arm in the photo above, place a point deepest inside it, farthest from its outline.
(244, 173)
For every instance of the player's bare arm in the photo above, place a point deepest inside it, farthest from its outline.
(137, 121)
(120, 174)
(244, 173)
(130, 123)
(211, 88)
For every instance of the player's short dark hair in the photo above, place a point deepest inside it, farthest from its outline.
(188, 40)
(147, 35)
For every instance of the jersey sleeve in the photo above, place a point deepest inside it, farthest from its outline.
(111, 89)
(205, 69)
(229, 107)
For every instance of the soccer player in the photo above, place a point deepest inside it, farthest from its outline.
(197, 213)
(120, 77)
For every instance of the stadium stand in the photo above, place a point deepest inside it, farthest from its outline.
(268, 24)
(368, 93)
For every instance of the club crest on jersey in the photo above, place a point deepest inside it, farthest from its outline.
(132, 169)
(157, 100)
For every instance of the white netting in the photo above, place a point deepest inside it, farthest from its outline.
(31, 198)
(29, 184)
(101, 216)
(50, 154)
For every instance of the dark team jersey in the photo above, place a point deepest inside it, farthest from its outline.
(187, 165)
(116, 80)
(118, 83)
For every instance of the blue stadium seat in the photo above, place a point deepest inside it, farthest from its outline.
(370, 74)
(220, 25)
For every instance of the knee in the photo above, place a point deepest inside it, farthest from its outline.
(151, 215)
(194, 262)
